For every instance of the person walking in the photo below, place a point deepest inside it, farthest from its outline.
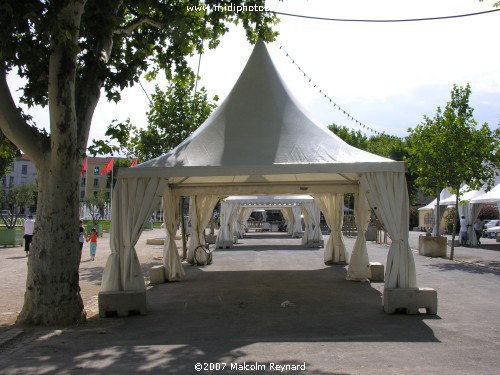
(93, 243)
(478, 228)
(463, 231)
(28, 230)
(82, 236)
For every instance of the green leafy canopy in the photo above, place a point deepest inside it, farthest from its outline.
(450, 149)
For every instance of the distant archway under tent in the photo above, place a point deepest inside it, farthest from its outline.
(260, 141)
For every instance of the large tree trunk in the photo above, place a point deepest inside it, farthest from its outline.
(52, 288)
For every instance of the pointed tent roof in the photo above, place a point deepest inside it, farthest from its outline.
(261, 133)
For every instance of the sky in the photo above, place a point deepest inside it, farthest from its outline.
(385, 75)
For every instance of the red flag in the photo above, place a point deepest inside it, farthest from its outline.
(108, 167)
(134, 163)
(84, 167)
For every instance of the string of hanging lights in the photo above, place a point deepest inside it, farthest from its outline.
(329, 99)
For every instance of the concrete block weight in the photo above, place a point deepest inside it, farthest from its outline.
(122, 303)
(410, 300)
(157, 275)
(377, 271)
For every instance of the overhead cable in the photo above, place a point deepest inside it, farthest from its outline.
(383, 21)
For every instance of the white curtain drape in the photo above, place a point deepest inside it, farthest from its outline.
(388, 196)
(243, 217)
(314, 214)
(134, 200)
(308, 230)
(332, 206)
(471, 213)
(359, 264)
(224, 230)
(288, 217)
(297, 222)
(439, 213)
(200, 211)
(171, 260)
(234, 227)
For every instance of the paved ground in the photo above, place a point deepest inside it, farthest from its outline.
(229, 317)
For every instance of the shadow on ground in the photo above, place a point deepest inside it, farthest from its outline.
(215, 316)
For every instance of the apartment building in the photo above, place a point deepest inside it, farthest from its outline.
(22, 172)
(92, 181)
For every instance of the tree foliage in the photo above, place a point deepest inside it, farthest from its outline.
(95, 205)
(68, 52)
(383, 145)
(354, 138)
(173, 115)
(450, 149)
(8, 154)
(17, 198)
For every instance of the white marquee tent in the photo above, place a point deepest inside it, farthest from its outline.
(259, 141)
(471, 202)
(236, 209)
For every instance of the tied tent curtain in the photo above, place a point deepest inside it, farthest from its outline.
(471, 213)
(171, 260)
(234, 229)
(332, 206)
(243, 217)
(359, 264)
(297, 222)
(288, 217)
(224, 235)
(308, 226)
(388, 196)
(134, 199)
(200, 212)
(314, 215)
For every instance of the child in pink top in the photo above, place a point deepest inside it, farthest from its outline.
(93, 243)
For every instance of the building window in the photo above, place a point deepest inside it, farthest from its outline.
(82, 195)
(108, 184)
(11, 181)
(4, 181)
(24, 169)
(96, 170)
(24, 180)
(96, 182)
(429, 219)
(108, 196)
(83, 182)
(95, 193)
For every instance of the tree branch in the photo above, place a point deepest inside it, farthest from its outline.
(88, 89)
(128, 30)
(14, 126)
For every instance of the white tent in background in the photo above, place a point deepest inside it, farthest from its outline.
(469, 206)
(245, 205)
(466, 196)
(444, 195)
(492, 196)
(259, 141)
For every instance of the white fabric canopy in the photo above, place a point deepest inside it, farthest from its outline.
(492, 196)
(261, 141)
